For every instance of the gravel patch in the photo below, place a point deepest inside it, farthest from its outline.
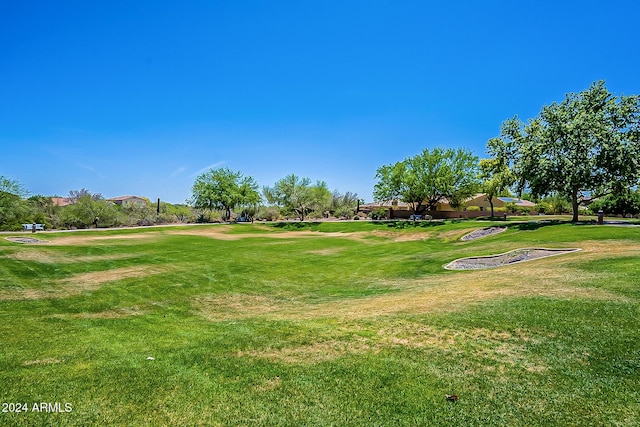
(483, 232)
(507, 258)
(28, 240)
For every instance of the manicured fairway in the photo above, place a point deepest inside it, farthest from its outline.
(320, 324)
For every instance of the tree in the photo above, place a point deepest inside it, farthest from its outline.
(14, 211)
(223, 189)
(291, 192)
(88, 211)
(427, 178)
(344, 205)
(75, 195)
(624, 203)
(42, 209)
(321, 198)
(588, 143)
(180, 213)
(296, 194)
(496, 177)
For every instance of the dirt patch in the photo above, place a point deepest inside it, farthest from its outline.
(483, 232)
(507, 258)
(26, 240)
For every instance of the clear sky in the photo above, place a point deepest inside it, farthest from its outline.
(139, 97)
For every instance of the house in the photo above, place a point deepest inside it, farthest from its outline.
(481, 201)
(393, 208)
(520, 203)
(129, 200)
(397, 209)
(62, 201)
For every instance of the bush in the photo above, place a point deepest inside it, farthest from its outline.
(314, 215)
(543, 207)
(343, 212)
(473, 208)
(267, 213)
(379, 213)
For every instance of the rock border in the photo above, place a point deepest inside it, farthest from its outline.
(483, 232)
(507, 258)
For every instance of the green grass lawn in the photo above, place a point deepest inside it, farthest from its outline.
(346, 323)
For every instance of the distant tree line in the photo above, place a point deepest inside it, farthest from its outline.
(223, 191)
(85, 210)
(217, 195)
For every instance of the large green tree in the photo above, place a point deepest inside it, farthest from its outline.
(623, 203)
(296, 194)
(223, 189)
(429, 177)
(587, 144)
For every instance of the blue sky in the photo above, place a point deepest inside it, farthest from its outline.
(140, 97)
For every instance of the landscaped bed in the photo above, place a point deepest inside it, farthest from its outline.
(483, 232)
(507, 258)
(29, 240)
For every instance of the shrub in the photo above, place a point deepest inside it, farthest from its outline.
(473, 208)
(267, 213)
(343, 212)
(379, 213)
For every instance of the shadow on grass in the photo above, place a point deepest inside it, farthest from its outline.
(534, 225)
(303, 225)
(400, 225)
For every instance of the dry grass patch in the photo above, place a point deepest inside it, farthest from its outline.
(398, 236)
(47, 361)
(80, 283)
(117, 313)
(49, 257)
(90, 239)
(268, 384)
(222, 233)
(443, 293)
(598, 249)
(498, 347)
(455, 235)
(312, 353)
(239, 306)
(328, 251)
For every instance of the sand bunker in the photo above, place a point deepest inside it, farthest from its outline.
(507, 258)
(483, 232)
